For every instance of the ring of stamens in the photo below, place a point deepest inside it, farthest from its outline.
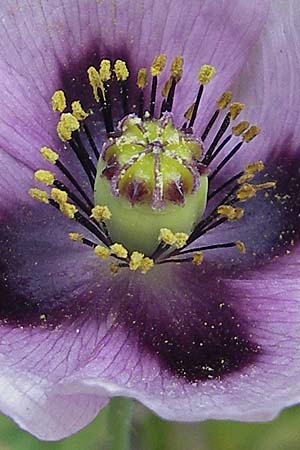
(72, 200)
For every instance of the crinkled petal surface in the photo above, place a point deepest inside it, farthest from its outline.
(220, 341)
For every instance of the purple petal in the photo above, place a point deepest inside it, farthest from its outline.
(57, 42)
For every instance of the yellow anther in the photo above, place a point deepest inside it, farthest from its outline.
(101, 213)
(146, 264)
(95, 81)
(59, 196)
(235, 109)
(114, 268)
(230, 212)
(49, 155)
(240, 246)
(105, 70)
(136, 259)
(78, 112)
(158, 65)
(245, 178)
(76, 237)
(121, 71)
(189, 112)
(197, 258)
(181, 239)
(238, 129)
(177, 68)
(44, 176)
(267, 185)
(39, 195)
(141, 80)
(224, 100)
(166, 89)
(68, 210)
(101, 252)
(245, 192)
(255, 167)
(251, 133)
(206, 73)
(58, 101)
(166, 236)
(66, 125)
(119, 250)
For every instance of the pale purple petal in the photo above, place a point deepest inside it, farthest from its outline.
(56, 43)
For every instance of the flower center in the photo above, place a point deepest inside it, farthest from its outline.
(151, 179)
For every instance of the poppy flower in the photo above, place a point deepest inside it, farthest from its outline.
(195, 316)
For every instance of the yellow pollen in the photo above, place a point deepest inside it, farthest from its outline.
(206, 73)
(59, 196)
(101, 213)
(238, 129)
(255, 167)
(121, 71)
(181, 239)
(49, 155)
(136, 259)
(247, 191)
(166, 236)
(58, 101)
(119, 250)
(197, 258)
(146, 264)
(177, 68)
(244, 178)
(95, 81)
(68, 210)
(189, 112)
(44, 176)
(101, 252)
(251, 133)
(141, 78)
(114, 268)
(166, 89)
(158, 65)
(66, 125)
(224, 100)
(105, 70)
(240, 246)
(39, 195)
(78, 112)
(76, 237)
(235, 109)
(230, 212)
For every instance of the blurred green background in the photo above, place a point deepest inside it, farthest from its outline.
(151, 433)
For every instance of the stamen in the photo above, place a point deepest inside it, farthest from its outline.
(180, 239)
(59, 196)
(248, 191)
(122, 75)
(251, 133)
(68, 210)
(166, 236)
(105, 70)
(230, 212)
(39, 195)
(239, 129)
(76, 237)
(135, 261)
(66, 126)
(52, 157)
(169, 91)
(240, 246)
(205, 75)
(119, 250)
(222, 103)
(78, 112)
(146, 264)
(141, 84)
(235, 109)
(101, 213)
(101, 252)
(44, 176)
(197, 259)
(157, 67)
(58, 101)
(95, 82)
